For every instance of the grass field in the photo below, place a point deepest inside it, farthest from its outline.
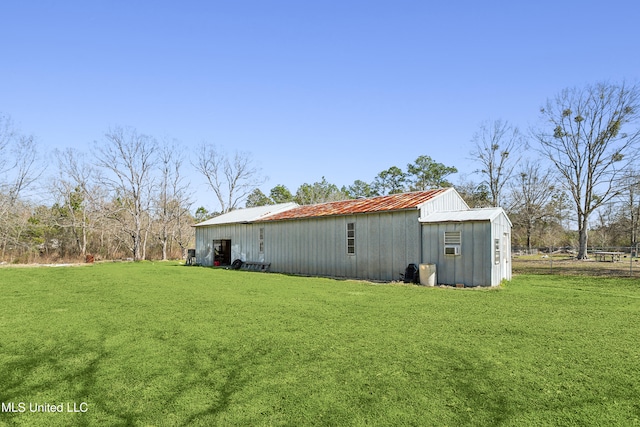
(166, 345)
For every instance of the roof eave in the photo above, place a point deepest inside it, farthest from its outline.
(267, 219)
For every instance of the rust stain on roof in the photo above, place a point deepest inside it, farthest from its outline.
(393, 202)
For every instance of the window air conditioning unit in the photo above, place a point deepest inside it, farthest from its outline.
(452, 250)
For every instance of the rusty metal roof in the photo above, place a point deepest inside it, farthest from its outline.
(392, 202)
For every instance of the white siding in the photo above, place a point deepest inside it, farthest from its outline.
(448, 201)
(502, 230)
(245, 242)
(475, 266)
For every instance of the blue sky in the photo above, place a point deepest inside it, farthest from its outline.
(341, 89)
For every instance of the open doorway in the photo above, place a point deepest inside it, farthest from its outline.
(222, 252)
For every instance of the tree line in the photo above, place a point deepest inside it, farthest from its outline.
(125, 199)
(425, 173)
(572, 176)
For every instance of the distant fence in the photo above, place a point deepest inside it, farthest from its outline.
(602, 261)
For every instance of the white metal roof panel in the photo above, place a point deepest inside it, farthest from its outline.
(247, 214)
(483, 214)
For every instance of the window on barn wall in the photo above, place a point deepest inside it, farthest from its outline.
(496, 251)
(351, 238)
(452, 242)
(261, 241)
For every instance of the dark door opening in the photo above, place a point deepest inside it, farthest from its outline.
(222, 252)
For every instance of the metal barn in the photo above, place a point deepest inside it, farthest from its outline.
(373, 239)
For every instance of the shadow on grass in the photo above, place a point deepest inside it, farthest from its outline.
(540, 391)
(237, 376)
(58, 375)
(55, 375)
(473, 387)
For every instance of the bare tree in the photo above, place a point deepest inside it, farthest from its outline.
(532, 191)
(604, 230)
(129, 158)
(171, 202)
(231, 179)
(7, 134)
(629, 212)
(475, 194)
(20, 168)
(497, 145)
(584, 140)
(79, 195)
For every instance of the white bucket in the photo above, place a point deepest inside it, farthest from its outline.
(428, 274)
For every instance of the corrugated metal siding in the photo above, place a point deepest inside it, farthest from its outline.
(385, 243)
(473, 266)
(476, 265)
(318, 246)
(245, 242)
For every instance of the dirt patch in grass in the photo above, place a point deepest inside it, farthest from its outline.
(8, 265)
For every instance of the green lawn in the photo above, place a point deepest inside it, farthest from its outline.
(162, 344)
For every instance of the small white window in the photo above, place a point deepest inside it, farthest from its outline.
(452, 242)
(351, 238)
(261, 241)
(496, 251)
